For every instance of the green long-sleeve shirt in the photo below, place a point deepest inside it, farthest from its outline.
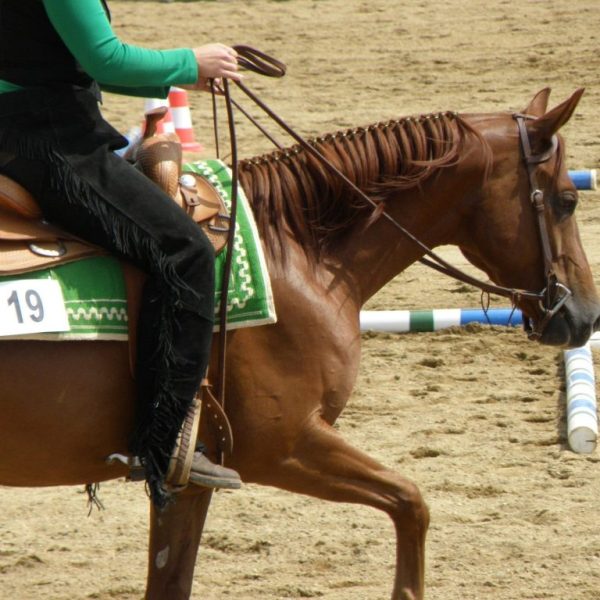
(119, 68)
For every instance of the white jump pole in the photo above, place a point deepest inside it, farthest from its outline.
(582, 420)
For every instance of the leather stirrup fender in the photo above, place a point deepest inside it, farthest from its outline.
(216, 418)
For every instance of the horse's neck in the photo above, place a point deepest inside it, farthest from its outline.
(375, 256)
(358, 259)
(436, 212)
(363, 261)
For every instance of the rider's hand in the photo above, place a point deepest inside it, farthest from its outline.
(216, 61)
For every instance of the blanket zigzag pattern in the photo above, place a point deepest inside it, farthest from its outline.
(120, 314)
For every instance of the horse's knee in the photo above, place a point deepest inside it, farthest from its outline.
(412, 512)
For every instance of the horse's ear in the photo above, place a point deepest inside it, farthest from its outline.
(543, 128)
(537, 107)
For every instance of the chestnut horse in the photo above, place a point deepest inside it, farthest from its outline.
(448, 179)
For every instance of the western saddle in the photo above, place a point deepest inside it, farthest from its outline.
(29, 243)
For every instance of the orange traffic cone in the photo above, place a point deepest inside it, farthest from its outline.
(166, 124)
(182, 118)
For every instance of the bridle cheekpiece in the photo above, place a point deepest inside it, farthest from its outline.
(555, 294)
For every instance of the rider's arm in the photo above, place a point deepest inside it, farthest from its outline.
(85, 29)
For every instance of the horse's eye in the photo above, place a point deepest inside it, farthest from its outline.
(566, 204)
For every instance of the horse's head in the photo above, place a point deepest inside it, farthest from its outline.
(522, 231)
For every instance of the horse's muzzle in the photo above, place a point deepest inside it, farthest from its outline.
(570, 327)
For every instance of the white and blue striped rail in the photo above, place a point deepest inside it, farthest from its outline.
(584, 179)
(404, 321)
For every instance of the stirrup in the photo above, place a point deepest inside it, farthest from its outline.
(180, 465)
(136, 470)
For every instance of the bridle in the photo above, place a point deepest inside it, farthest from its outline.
(555, 294)
(551, 298)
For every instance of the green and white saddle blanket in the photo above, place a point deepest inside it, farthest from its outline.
(86, 299)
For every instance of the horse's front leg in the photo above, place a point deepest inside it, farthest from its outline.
(323, 465)
(174, 539)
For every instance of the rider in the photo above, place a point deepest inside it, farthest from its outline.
(55, 56)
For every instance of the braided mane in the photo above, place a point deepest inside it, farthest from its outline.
(290, 191)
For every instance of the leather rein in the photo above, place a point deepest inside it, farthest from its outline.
(551, 298)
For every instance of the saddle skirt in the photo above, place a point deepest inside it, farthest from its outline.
(27, 242)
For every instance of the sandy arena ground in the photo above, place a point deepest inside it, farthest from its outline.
(475, 417)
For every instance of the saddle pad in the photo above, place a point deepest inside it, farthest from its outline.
(94, 294)
(250, 298)
(94, 288)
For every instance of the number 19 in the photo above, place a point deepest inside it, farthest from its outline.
(33, 301)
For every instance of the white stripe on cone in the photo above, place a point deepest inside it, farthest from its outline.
(182, 118)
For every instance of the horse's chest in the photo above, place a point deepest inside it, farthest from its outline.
(338, 380)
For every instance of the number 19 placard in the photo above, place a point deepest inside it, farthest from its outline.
(32, 306)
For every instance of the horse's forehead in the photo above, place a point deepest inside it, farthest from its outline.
(501, 132)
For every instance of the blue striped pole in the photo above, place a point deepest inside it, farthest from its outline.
(584, 179)
(404, 321)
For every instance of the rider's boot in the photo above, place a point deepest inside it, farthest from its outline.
(208, 474)
(189, 463)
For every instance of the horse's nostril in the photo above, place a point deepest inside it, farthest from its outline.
(597, 324)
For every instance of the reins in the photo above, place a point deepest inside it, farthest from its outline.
(551, 298)
(222, 345)
(257, 61)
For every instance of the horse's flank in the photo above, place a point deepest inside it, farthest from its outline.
(291, 190)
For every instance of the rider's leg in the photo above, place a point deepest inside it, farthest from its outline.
(108, 202)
